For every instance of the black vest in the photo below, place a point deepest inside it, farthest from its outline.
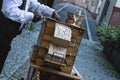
(1, 5)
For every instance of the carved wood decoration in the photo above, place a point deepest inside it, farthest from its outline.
(57, 46)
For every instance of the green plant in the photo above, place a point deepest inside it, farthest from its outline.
(109, 34)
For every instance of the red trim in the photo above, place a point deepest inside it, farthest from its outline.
(116, 9)
(115, 18)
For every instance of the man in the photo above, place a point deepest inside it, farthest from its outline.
(12, 14)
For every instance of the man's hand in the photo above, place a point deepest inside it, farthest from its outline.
(36, 17)
(55, 15)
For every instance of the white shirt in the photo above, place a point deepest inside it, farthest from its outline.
(10, 10)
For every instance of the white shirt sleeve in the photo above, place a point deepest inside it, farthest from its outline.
(10, 10)
(40, 8)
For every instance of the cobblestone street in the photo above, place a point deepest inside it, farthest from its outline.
(90, 62)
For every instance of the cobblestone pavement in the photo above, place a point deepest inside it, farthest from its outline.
(79, 3)
(90, 61)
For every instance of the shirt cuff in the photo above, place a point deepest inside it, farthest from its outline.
(50, 11)
(30, 16)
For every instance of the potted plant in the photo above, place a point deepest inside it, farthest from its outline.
(103, 32)
(110, 39)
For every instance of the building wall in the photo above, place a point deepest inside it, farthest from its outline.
(98, 7)
(117, 4)
(99, 15)
(115, 18)
(93, 6)
(106, 10)
(107, 18)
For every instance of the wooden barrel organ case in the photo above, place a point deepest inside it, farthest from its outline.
(58, 44)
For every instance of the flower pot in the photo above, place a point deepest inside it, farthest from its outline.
(107, 49)
(115, 59)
